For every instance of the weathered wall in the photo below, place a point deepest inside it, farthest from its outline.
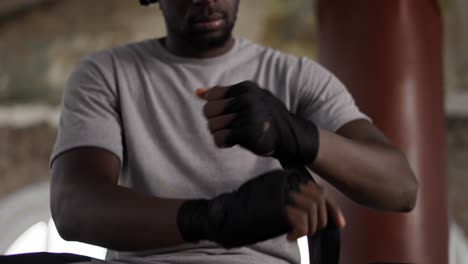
(457, 163)
(40, 47)
(456, 41)
(27, 151)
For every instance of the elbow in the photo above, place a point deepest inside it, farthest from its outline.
(401, 187)
(409, 196)
(408, 188)
(65, 229)
(65, 221)
(400, 196)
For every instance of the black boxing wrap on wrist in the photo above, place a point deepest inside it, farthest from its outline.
(253, 213)
(298, 140)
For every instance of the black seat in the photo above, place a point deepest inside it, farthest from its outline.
(43, 258)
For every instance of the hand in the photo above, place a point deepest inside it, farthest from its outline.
(237, 115)
(253, 118)
(272, 204)
(310, 210)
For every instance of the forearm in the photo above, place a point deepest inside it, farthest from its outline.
(116, 217)
(371, 174)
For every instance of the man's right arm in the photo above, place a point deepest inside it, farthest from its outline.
(88, 206)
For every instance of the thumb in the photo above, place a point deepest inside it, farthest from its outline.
(335, 214)
(200, 92)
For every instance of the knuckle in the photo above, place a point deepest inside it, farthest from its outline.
(321, 190)
(321, 200)
(312, 207)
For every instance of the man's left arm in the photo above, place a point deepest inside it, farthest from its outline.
(360, 162)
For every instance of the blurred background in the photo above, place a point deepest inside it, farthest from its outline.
(42, 40)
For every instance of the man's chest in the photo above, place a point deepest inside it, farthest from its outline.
(168, 145)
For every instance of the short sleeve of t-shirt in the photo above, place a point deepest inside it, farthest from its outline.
(89, 114)
(323, 99)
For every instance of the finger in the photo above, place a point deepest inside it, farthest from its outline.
(220, 122)
(322, 215)
(335, 213)
(215, 93)
(298, 221)
(306, 204)
(216, 108)
(317, 192)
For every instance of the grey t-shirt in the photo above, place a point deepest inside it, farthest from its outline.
(138, 102)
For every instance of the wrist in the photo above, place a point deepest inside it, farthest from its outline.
(253, 213)
(191, 219)
(310, 143)
(299, 142)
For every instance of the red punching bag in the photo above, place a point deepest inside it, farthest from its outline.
(389, 54)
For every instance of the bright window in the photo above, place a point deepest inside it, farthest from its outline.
(44, 237)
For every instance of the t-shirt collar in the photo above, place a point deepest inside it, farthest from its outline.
(164, 53)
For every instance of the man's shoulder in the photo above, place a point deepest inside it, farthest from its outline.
(283, 60)
(262, 49)
(277, 55)
(127, 51)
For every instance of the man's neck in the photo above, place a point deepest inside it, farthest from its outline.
(183, 49)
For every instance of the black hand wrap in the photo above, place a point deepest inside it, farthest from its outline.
(266, 127)
(253, 213)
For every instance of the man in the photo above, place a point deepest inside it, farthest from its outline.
(145, 168)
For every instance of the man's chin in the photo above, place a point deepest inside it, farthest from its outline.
(206, 40)
(210, 40)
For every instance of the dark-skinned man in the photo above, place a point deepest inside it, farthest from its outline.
(145, 168)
